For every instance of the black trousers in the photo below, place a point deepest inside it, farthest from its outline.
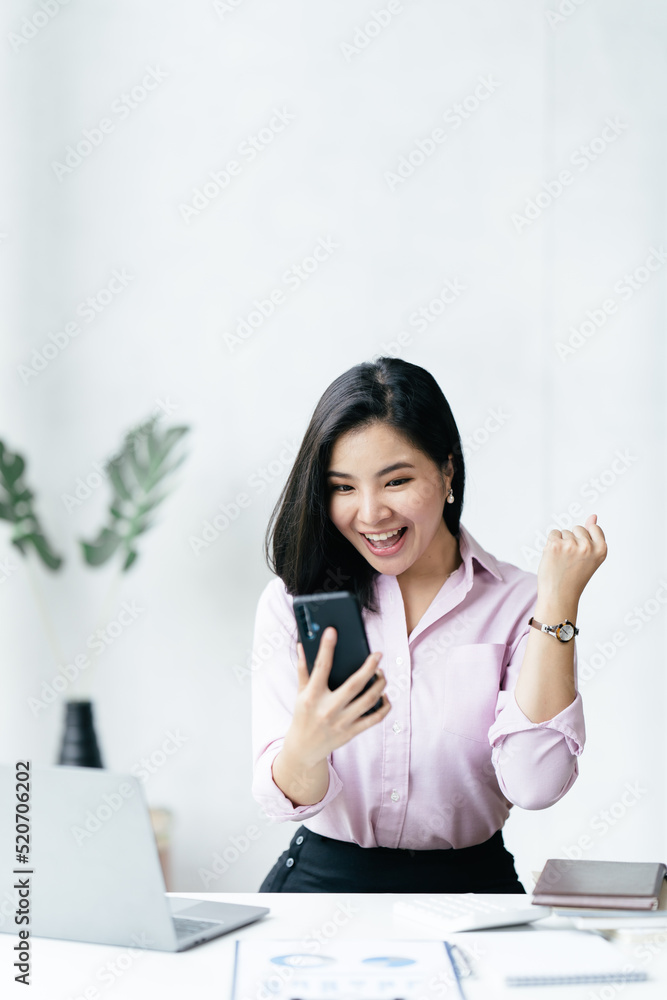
(313, 863)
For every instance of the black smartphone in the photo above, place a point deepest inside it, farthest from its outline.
(314, 613)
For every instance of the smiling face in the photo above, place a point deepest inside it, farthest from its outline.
(379, 483)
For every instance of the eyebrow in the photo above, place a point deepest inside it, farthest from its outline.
(382, 472)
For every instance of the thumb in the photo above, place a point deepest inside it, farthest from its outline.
(590, 520)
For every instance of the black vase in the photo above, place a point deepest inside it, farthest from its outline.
(79, 746)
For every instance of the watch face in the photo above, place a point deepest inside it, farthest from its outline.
(565, 632)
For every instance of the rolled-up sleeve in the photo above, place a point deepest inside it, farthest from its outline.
(274, 692)
(535, 762)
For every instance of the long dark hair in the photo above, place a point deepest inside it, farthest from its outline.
(302, 545)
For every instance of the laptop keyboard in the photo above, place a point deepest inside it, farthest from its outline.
(185, 926)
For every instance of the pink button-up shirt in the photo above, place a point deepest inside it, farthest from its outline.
(455, 752)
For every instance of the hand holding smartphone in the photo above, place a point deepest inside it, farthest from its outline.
(314, 613)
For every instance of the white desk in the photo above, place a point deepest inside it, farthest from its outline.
(65, 970)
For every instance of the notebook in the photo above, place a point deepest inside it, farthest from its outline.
(628, 885)
(610, 917)
(546, 957)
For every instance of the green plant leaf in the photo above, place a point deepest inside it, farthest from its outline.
(98, 552)
(12, 467)
(131, 556)
(174, 434)
(16, 508)
(49, 558)
(147, 505)
(152, 445)
(136, 473)
(117, 480)
(141, 472)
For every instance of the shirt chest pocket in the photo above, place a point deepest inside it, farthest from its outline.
(470, 683)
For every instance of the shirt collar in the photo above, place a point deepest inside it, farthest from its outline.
(470, 548)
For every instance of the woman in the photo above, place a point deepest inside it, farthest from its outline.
(479, 708)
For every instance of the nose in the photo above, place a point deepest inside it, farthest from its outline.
(373, 509)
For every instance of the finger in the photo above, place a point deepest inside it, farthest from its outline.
(358, 680)
(597, 536)
(554, 535)
(582, 533)
(302, 674)
(364, 701)
(568, 536)
(594, 528)
(324, 658)
(372, 720)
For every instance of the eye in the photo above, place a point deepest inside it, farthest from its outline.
(394, 482)
(340, 487)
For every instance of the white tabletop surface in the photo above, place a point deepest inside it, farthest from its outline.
(65, 970)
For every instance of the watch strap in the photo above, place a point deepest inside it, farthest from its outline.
(552, 629)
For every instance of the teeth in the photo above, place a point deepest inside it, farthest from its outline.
(383, 536)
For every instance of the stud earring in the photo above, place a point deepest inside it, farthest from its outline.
(450, 496)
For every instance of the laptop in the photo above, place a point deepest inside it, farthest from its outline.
(92, 872)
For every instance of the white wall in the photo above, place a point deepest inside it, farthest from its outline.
(553, 85)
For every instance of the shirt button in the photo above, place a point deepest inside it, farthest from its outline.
(289, 862)
(396, 728)
(395, 796)
(299, 840)
(399, 661)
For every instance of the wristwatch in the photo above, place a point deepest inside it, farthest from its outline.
(563, 632)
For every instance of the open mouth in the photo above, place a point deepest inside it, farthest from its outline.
(380, 544)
